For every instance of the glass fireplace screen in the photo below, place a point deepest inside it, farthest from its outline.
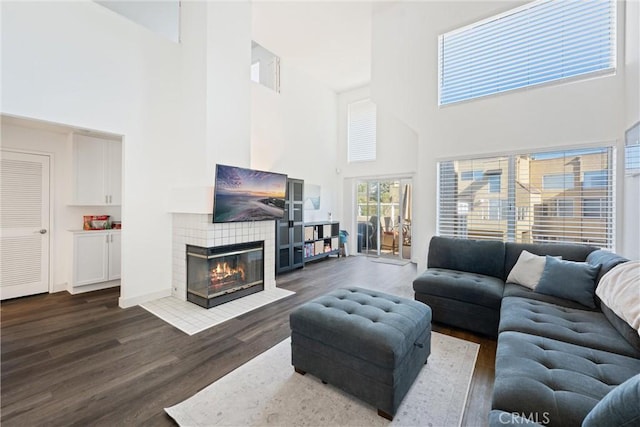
(223, 273)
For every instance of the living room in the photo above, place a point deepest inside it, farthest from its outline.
(181, 108)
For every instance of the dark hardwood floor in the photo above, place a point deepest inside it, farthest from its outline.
(82, 360)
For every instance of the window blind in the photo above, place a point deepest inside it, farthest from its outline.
(540, 42)
(361, 138)
(564, 197)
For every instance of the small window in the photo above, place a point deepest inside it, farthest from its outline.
(523, 213)
(361, 137)
(564, 207)
(594, 207)
(265, 67)
(497, 209)
(540, 42)
(595, 179)
(494, 183)
(559, 181)
(471, 175)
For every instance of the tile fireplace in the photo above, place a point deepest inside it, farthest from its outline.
(220, 274)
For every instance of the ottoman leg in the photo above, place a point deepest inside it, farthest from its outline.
(300, 371)
(383, 414)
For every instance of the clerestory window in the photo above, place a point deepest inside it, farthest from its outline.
(543, 41)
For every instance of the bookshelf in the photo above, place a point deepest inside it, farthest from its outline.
(321, 239)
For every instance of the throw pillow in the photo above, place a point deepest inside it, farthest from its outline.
(575, 281)
(527, 270)
(619, 290)
(618, 408)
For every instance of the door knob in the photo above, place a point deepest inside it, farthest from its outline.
(43, 231)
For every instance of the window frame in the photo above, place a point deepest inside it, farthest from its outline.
(608, 71)
(538, 216)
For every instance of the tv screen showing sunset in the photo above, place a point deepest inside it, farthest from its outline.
(248, 195)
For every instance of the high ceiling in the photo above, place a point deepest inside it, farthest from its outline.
(330, 41)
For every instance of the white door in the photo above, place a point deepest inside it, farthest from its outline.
(24, 224)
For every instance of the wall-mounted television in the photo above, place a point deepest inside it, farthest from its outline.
(241, 194)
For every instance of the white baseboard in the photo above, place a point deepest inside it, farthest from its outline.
(58, 287)
(141, 299)
(93, 287)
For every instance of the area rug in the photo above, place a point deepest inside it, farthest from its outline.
(267, 392)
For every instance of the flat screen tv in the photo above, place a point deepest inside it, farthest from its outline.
(241, 194)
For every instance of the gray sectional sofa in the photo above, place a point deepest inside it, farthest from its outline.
(556, 357)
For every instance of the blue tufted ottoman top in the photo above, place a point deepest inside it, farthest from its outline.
(374, 326)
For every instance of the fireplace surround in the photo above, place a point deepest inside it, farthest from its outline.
(220, 274)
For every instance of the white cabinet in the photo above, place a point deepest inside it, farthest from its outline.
(97, 171)
(115, 245)
(96, 257)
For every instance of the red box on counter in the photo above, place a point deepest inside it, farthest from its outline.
(95, 222)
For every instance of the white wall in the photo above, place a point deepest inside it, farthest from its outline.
(106, 73)
(404, 80)
(294, 132)
(228, 84)
(396, 148)
(215, 110)
(631, 201)
(161, 17)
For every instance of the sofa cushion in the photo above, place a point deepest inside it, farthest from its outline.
(621, 407)
(630, 334)
(528, 270)
(575, 281)
(513, 290)
(461, 286)
(606, 259)
(472, 256)
(619, 290)
(580, 327)
(566, 251)
(560, 380)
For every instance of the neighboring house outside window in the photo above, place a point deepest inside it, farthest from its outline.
(566, 196)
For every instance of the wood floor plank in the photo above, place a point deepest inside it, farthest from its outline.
(81, 360)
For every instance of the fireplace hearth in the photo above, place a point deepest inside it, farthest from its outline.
(221, 274)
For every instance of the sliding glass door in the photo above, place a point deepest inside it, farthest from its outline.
(383, 209)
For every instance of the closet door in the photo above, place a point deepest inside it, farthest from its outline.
(24, 224)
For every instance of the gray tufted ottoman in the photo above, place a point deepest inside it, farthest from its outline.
(367, 343)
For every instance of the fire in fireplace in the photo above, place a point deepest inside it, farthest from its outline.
(223, 273)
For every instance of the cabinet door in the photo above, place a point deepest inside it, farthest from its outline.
(90, 258)
(89, 170)
(115, 246)
(114, 172)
